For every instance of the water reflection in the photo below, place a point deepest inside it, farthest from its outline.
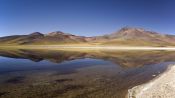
(77, 74)
(122, 58)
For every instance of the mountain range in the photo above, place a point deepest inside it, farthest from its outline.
(124, 37)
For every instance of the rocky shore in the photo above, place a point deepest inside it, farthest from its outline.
(162, 86)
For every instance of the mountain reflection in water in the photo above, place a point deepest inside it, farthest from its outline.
(77, 74)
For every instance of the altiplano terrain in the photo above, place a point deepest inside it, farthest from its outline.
(124, 37)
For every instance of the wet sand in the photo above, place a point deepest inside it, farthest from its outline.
(162, 86)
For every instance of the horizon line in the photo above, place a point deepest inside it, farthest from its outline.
(128, 27)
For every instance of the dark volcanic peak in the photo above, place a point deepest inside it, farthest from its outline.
(131, 28)
(128, 32)
(57, 33)
(125, 31)
(36, 34)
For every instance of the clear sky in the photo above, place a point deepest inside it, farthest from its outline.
(85, 17)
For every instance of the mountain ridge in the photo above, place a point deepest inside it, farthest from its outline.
(125, 36)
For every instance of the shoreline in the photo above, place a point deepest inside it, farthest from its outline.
(163, 86)
(88, 47)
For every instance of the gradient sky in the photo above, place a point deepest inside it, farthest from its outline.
(85, 17)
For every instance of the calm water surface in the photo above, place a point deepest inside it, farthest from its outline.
(77, 74)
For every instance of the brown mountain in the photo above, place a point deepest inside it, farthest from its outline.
(125, 36)
(39, 38)
(136, 36)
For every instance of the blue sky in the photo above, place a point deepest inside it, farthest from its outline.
(85, 17)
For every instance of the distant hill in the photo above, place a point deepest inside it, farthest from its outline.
(125, 36)
(41, 39)
(136, 36)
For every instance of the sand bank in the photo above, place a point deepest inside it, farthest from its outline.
(162, 86)
(55, 47)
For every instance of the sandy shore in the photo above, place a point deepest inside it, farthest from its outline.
(90, 47)
(161, 87)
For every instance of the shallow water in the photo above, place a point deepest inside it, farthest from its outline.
(77, 74)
